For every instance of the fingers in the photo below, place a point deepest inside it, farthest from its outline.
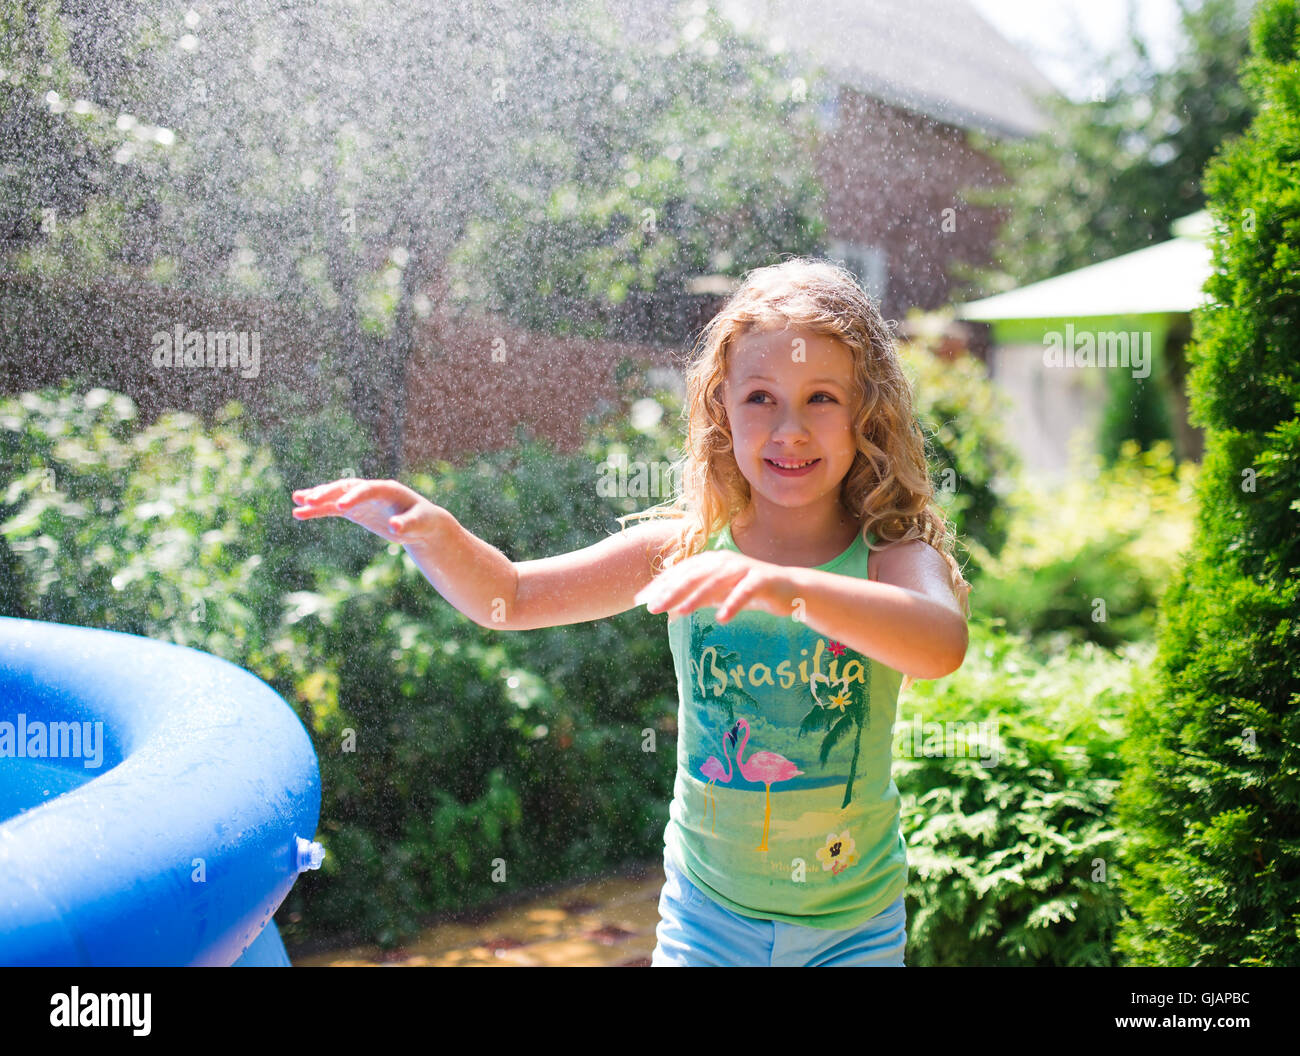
(676, 595)
(690, 586)
(657, 591)
(666, 589)
(337, 497)
(354, 495)
(405, 521)
(387, 508)
(324, 492)
(306, 513)
(316, 508)
(710, 586)
(739, 596)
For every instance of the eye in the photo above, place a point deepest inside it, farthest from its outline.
(760, 392)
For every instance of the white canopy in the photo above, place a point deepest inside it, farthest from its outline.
(1163, 278)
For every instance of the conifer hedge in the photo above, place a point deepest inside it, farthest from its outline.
(1211, 799)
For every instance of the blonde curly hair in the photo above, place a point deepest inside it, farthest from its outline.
(888, 486)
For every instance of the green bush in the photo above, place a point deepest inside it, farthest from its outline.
(311, 445)
(448, 752)
(157, 532)
(478, 749)
(1087, 560)
(971, 461)
(415, 732)
(1137, 409)
(468, 745)
(1213, 797)
(1013, 863)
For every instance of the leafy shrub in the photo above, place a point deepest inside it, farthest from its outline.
(156, 532)
(415, 734)
(971, 461)
(469, 745)
(1087, 560)
(1213, 800)
(1013, 863)
(449, 751)
(477, 749)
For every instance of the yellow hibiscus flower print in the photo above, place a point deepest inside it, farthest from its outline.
(840, 700)
(838, 853)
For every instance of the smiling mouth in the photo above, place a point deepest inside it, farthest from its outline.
(790, 463)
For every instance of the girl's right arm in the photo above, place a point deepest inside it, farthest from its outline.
(480, 581)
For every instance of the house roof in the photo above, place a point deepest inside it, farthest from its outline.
(936, 57)
(1167, 277)
(939, 58)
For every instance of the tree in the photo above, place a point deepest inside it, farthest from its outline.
(1212, 798)
(328, 157)
(1111, 173)
(692, 157)
(56, 145)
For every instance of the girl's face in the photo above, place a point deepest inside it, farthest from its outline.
(790, 398)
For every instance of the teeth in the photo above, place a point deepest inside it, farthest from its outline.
(791, 465)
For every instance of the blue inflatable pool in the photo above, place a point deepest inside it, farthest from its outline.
(156, 803)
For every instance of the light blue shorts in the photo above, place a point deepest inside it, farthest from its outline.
(696, 932)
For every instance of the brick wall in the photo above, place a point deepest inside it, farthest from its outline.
(472, 379)
(103, 333)
(889, 174)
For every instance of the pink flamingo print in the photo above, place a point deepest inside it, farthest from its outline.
(766, 767)
(712, 769)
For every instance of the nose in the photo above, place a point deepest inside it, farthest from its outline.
(790, 424)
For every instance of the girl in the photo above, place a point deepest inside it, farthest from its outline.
(790, 628)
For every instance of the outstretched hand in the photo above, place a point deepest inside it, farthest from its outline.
(724, 580)
(391, 510)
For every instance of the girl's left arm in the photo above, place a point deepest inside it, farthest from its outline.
(909, 620)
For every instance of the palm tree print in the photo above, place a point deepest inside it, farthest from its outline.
(701, 628)
(848, 709)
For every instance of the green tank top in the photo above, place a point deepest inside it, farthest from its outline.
(784, 804)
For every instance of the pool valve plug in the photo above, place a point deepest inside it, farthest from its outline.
(310, 854)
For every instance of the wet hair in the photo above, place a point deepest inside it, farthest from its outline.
(887, 488)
